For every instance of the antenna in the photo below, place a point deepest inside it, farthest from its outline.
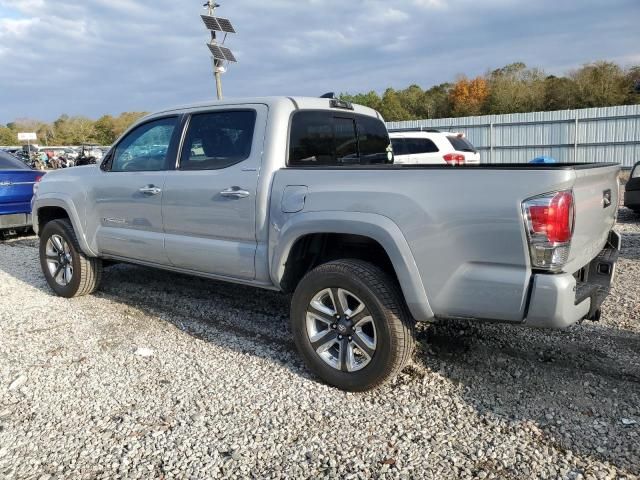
(219, 53)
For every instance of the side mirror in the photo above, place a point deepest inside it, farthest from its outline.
(105, 165)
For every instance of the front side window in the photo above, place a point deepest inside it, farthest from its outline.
(145, 148)
(218, 140)
(324, 138)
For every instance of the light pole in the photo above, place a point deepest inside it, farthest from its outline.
(219, 53)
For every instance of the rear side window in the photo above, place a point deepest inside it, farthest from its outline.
(399, 146)
(8, 162)
(420, 145)
(461, 144)
(218, 140)
(331, 139)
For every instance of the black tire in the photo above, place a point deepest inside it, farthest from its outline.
(394, 326)
(87, 271)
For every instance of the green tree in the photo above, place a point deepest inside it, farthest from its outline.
(515, 88)
(559, 93)
(105, 130)
(600, 84)
(8, 136)
(392, 108)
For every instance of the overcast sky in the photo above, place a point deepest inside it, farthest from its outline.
(91, 57)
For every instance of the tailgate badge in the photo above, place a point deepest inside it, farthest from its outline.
(606, 198)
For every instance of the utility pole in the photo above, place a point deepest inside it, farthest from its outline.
(217, 64)
(220, 54)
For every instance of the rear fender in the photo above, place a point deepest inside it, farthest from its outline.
(377, 227)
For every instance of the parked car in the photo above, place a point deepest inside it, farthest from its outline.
(632, 190)
(16, 190)
(298, 195)
(432, 147)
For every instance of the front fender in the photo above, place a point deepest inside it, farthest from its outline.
(377, 227)
(64, 201)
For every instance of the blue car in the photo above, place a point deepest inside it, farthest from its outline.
(16, 190)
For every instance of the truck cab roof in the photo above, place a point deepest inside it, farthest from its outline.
(291, 103)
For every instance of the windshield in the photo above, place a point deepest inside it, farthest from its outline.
(9, 162)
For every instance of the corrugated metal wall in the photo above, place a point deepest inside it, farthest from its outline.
(588, 135)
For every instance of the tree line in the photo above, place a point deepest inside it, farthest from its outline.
(68, 130)
(513, 88)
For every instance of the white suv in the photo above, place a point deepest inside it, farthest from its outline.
(432, 147)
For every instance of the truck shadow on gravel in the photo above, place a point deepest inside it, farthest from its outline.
(578, 387)
(575, 387)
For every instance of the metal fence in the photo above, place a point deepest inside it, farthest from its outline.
(587, 135)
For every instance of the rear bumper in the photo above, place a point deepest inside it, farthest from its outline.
(558, 301)
(15, 220)
(632, 199)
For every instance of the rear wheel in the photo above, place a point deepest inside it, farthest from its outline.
(351, 325)
(69, 272)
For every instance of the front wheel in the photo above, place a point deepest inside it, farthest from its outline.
(351, 325)
(68, 271)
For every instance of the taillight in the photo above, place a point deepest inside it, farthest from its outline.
(35, 184)
(549, 221)
(454, 159)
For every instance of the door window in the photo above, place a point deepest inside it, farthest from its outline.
(145, 148)
(421, 145)
(218, 140)
(399, 146)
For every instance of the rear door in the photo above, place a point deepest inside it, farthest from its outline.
(423, 151)
(127, 195)
(209, 202)
(16, 185)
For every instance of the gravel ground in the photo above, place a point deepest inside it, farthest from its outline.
(165, 376)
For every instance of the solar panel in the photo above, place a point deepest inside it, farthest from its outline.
(218, 24)
(221, 53)
(225, 25)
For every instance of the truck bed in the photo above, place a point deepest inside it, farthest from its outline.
(464, 225)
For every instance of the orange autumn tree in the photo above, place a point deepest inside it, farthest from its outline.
(467, 97)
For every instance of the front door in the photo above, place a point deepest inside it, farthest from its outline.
(209, 200)
(128, 192)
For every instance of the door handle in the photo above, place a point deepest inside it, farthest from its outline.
(234, 192)
(150, 190)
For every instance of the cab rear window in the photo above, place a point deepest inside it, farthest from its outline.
(322, 138)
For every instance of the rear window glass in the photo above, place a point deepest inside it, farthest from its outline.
(461, 144)
(335, 138)
(9, 162)
(373, 139)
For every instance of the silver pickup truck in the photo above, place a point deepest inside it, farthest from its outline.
(301, 195)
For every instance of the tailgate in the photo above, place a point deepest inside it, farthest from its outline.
(596, 205)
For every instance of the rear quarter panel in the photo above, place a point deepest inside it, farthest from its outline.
(464, 227)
